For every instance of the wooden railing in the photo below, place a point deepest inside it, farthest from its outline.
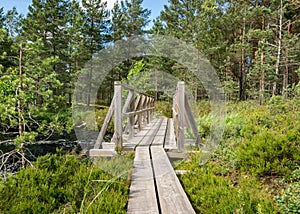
(183, 117)
(138, 110)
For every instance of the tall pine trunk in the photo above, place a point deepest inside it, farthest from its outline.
(285, 81)
(262, 62)
(279, 47)
(242, 64)
(20, 88)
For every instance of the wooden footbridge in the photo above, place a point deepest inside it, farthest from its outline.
(155, 187)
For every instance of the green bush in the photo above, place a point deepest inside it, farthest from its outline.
(63, 184)
(289, 199)
(163, 108)
(210, 193)
(100, 117)
(94, 119)
(233, 126)
(271, 139)
(259, 143)
(268, 153)
(204, 125)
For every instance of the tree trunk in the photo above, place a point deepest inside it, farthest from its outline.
(20, 88)
(285, 81)
(262, 62)
(279, 47)
(242, 64)
(91, 69)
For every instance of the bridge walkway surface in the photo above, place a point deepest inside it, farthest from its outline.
(155, 187)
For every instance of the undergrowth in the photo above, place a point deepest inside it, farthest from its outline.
(253, 170)
(63, 184)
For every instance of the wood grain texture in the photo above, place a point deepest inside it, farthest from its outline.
(142, 195)
(172, 198)
(155, 187)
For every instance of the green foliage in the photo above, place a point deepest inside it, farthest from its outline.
(211, 191)
(289, 198)
(269, 153)
(163, 108)
(138, 77)
(271, 139)
(63, 184)
(260, 143)
(94, 120)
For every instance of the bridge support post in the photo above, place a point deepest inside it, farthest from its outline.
(118, 115)
(181, 111)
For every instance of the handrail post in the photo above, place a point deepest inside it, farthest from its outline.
(118, 114)
(181, 111)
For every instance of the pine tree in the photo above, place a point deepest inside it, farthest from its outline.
(13, 22)
(128, 18)
(95, 31)
(49, 21)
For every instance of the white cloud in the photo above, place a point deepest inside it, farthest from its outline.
(110, 3)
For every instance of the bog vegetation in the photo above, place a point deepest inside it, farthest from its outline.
(256, 169)
(65, 183)
(257, 166)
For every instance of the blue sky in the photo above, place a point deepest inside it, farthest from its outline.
(154, 5)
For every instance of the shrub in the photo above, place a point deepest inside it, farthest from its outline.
(163, 108)
(210, 193)
(63, 183)
(289, 199)
(268, 153)
(94, 119)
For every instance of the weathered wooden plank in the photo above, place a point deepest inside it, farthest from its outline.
(151, 134)
(139, 137)
(170, 142)
(172, 198)
(118, 131)
(192, 123)
(181, 111)
(104, 126)
(128, 101)
(142, 195)
(160, 135)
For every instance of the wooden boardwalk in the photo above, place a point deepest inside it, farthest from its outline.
(155, 187)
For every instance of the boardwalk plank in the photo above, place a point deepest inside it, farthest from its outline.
(142, 196)
(170, 142)
(172, 197)
(139, 137)
(155, 187)
(160, 135)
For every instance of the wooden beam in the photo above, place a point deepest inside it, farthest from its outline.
(181, 112)
(107, 119)
(118, 114)
(192, 123)
(171, 195)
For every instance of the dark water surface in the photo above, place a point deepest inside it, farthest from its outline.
(34, 150)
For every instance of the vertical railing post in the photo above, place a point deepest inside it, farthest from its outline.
(118, 114)
(181, 111)
(131, 118)
(149, 111)
(140, 115)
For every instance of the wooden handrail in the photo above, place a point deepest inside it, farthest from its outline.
(138, 108)
(182, 116)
